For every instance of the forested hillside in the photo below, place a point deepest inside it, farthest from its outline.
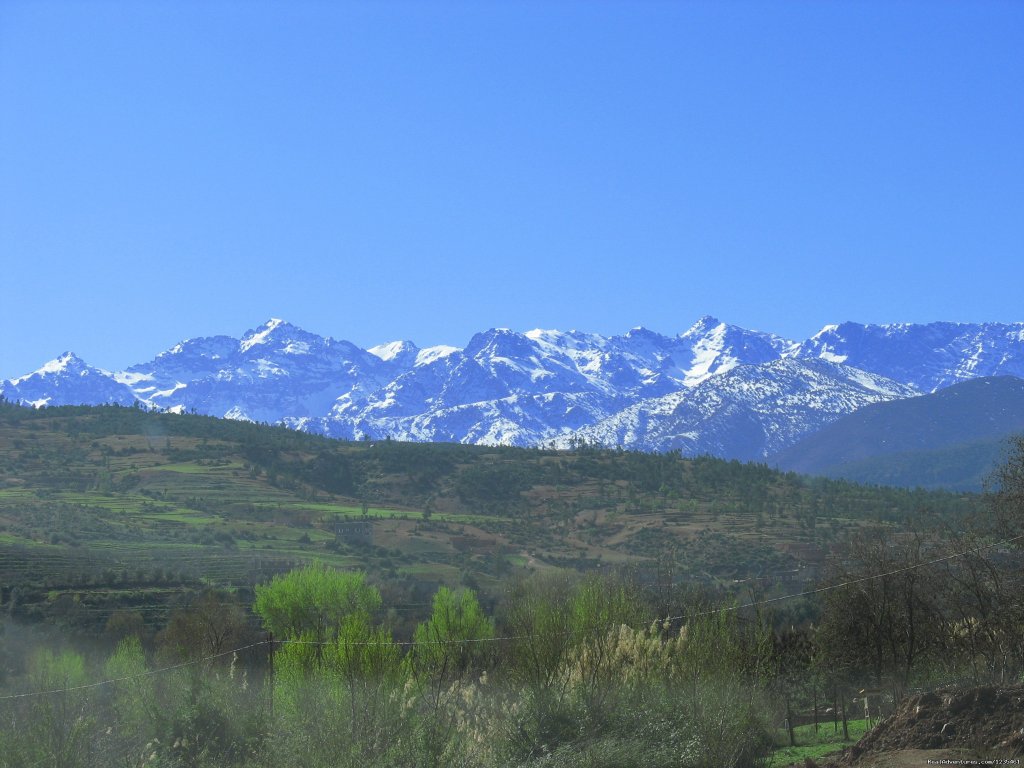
(952, 438)
(103, 505)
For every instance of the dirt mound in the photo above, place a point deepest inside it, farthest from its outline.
(988, 720)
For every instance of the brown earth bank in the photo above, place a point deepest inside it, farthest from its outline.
(928, 758)
(953, 726)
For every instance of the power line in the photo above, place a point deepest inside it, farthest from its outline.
(460, 641)
(850, 582)
(258, 644)
(125, 678)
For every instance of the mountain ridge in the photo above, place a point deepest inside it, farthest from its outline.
(714, 388)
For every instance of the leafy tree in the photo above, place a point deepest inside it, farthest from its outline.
(449, 643)
(336, 676)
(60, 723)
(134, 703)
(565, 635)
(313, 602)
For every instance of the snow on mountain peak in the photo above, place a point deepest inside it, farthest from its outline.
(702, 326)
(566, 341)
(262, 334)
(391, 350)
(529, 388)
(62, 363)
(488, 341)
(432, 354)
(639, 332)
(710, 355)
(65, 363)
(67, 380)
(543, 334)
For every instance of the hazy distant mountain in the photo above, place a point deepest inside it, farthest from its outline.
(67, 379)
(951, 438)
(715, 388)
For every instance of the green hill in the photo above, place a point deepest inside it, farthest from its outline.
(950, 439)
(106, 509)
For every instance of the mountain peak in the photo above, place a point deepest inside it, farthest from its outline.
(546, 334)
(704, 325)
(67, 380)
(272, 325)
(547, 383)
(264, 333)
(494, 337)
(66, 362)
(393, 350)
(62, 362)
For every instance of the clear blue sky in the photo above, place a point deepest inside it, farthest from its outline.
(424, 170)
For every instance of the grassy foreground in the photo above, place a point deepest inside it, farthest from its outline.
(826, 741)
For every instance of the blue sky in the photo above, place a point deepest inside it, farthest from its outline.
(376, 171)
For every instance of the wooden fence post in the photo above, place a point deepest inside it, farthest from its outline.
(842, 703)
(789, 723)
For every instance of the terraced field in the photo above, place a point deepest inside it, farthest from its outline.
(107, 508)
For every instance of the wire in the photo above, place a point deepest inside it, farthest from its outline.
(261, 643)
(147, 673)
(850, 582)
(409, 643)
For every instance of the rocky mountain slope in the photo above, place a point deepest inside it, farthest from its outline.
(715, 388)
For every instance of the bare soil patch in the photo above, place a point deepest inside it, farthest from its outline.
(968, 726)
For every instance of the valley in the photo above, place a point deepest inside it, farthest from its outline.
(490, 601)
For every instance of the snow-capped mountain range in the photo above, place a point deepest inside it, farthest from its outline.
(715, 388)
